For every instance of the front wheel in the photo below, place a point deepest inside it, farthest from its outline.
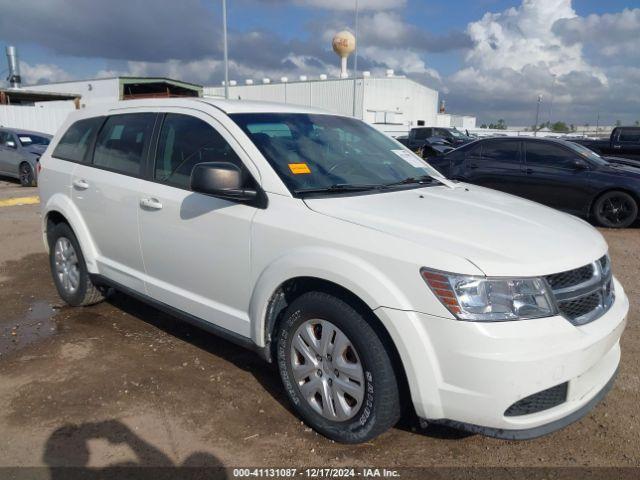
(336, 370)
(26, 175)
(615, 209)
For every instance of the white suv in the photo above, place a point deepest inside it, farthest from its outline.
(331, 249)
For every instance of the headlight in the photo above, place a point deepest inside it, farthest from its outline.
(486, 299)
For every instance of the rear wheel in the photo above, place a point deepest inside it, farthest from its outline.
(69, 270)
(26, 175)
(336, 370)
(615, 209)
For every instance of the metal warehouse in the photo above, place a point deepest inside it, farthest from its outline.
(391, 103)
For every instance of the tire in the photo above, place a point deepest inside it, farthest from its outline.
(615, 209)
(26, 175)
(356, 412)
(65, 257)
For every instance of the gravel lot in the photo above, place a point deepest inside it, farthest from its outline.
(123, 384)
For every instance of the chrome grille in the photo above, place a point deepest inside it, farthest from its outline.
(585, 293)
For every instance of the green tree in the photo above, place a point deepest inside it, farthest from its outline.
(484, 125)
(559, 127)
(637, 123)
(501, 125)
(572, 127)
(618, 123)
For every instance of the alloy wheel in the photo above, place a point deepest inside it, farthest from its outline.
(26, 174)
(67, 269)
(616, 209)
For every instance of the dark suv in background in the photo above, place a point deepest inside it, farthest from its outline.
(557, 173)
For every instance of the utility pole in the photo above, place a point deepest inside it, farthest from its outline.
(225, 48)
(355, 62)
(597, 123)
(553, 84)
(535, 131)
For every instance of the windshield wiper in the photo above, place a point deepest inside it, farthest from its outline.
(424, 179)
(340, 188)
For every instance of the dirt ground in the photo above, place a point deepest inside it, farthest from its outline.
(123, 384)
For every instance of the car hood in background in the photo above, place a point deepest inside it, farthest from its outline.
(501, 234)
(623, 161)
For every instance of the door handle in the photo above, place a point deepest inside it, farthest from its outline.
(151, 204)
(528, 171)
(473, 166)
(617, 146)
(80, 184)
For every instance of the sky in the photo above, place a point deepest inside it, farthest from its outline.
(489, 58)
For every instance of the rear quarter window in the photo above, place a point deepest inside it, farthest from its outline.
(75, 142)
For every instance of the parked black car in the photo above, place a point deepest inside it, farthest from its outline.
(419, 135)
(434, 147)
(557, 173)
(623, 142)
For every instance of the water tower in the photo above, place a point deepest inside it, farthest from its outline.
(344, 43)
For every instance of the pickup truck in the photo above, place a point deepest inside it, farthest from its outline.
(419, 135)
(624, 142)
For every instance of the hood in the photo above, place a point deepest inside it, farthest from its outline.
(623, 161)
(36, 149)
(501, 234)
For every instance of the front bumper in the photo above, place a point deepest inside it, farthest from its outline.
(467, 374)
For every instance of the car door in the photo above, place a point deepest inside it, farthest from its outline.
(9, 154)
(553, 178)
(495, 164)
(196, 248)
(106, 192)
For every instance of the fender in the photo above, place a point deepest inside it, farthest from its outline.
(62, 204)
(361, 278)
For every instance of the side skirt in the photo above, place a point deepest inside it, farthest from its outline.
(184, 316)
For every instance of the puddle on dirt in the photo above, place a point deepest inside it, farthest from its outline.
(36, 324)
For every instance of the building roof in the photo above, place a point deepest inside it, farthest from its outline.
(20, 95)
(294, 81)
(128, 80)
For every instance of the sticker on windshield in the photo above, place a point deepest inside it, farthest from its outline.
(299, 168)
(410, 158)
(25, 139)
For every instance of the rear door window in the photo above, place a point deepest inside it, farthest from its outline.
(501, 151)
(122, 142)
(75, 142)
(186, 141)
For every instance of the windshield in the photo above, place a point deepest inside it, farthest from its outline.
(456, 133)
(585, 152)
(27, 139)
(313, 152)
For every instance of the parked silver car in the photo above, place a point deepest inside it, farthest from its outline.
(19, 154)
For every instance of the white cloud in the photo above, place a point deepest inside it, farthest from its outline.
(42, 73)
(522, 36)
(611, 34)
(541, 47)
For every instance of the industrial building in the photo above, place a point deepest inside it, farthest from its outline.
(112, 89)
(392, 103)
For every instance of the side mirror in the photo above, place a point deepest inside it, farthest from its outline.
(580, 164)
(220, 179)
(10, 144)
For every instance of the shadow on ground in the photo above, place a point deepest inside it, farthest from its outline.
(67, 454)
